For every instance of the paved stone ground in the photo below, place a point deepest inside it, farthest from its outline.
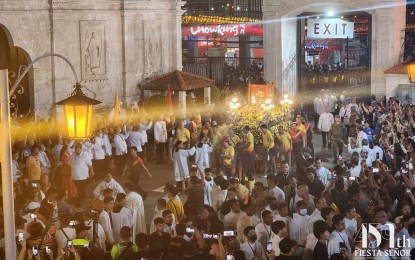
(163, 174)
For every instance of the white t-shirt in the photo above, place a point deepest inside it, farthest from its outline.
(80, 166)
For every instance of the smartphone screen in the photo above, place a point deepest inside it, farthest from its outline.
(20, 237)
(69, 244)
(34, 251)
(375, 169)
(352, 178)
(229, 233)
(33, 216)
(190, 230)
(47, 250)
(377, 156)
(269, 247)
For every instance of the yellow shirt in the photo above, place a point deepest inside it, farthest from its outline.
(302, 128)
(33, 168)
(176, 207)
(183, 135)
(235, 139)
(230, 151)
(267, 140)
(286, 141)
(249, 142)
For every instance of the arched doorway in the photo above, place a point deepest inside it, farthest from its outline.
(17, 58)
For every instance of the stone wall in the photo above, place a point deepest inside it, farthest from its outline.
(388, 21)
(113, 44)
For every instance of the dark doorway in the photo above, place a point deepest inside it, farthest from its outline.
(23, 100)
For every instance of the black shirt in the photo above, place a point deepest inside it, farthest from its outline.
(320, 252)
(164, 239)
(177, 245)
(316, 187)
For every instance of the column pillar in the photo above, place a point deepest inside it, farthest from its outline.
(207, 95)
(6, 167)
(272, 43)
(182, 103)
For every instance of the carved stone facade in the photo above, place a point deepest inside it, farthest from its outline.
(280, 37)
(113, 44)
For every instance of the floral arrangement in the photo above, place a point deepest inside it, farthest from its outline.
(254, 116)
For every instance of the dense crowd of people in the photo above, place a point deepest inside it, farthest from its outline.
(68, 204)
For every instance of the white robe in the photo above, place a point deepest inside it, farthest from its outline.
(104, 220)
(180, 167)
(134, 202)
(101, 234)
(202, 157)
(119, 220)
(299, 228)
(208, 192)
(113, 184)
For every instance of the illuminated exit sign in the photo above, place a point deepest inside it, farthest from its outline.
(329, 28)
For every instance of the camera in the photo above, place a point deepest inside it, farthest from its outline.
(229, 233)
(342, 247)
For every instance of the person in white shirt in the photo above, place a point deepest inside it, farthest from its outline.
(252, 248)
(160, 137)
(219, 192)
(345, 113)
(98, 154)
(263, 230)
(105, 219)
(332, 101)
(299, 228)
(65, 233)
(324, 124)
(100, 232)
(203, 149)
(350, 221)
(279, 231)
(159, 209)
(354, 105)
(377, 152)
(208, 186)
(144, 126)
(87, 148)
(120, 151)
(107, 145)
(57, 151)
(275, 191)
(316, 215)
(283, 215)
(312, 240)
(121, 216)
(231, 219)
(108, 182)
(15, 166)
(180, 165)
(81, 168)
(321, 171)
(338, 236)
(134, 202)
(43, 159)
(136, 139)
(382, 219)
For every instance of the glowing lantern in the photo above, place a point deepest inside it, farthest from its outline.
(78, 113)
(410, 65)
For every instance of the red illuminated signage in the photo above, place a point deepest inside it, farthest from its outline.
(223, 30)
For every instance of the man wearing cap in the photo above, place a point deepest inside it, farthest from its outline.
(268, 144)
(337, 137)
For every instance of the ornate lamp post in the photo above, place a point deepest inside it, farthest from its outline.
(286, 103)
(78, 112)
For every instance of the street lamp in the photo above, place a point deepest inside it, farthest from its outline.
(286, 103)
(234, 104)
(78, 111)
(267, 105)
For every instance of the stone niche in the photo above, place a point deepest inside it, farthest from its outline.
(280, 36)
(112, 44)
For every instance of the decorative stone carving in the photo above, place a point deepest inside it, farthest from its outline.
(152, 39)
(93, 50)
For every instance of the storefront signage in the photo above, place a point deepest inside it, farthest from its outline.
(329, 28)
(316, 46)
(223, 30)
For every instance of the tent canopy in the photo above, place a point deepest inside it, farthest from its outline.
(178, 80)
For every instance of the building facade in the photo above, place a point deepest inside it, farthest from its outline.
(113, 45)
